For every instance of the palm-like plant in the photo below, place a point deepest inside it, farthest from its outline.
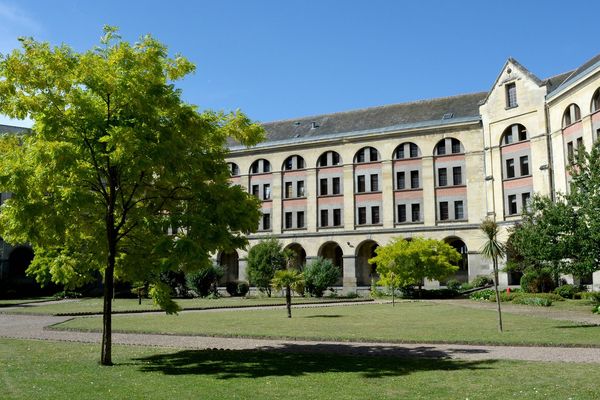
(290, 279)
(493, 249)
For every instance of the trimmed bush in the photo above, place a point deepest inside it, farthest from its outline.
(237, 288)
(243, 288)
(567, 291)
(453, 284)
(537, 282)
(484, 294)
(482, 280)
(319, 275)
(533, 301)
(204, 281)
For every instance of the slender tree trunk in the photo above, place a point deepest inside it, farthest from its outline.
(393, 296)
(288, 300)
(106, 356)
(495, 264)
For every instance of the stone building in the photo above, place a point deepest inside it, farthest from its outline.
(339, 185)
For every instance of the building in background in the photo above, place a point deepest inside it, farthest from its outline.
(339, 185)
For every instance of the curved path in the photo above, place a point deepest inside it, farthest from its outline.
(33, 327)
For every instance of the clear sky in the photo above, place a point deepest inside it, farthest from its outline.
(282, 59)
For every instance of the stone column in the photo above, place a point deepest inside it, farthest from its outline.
(387, 193)
(276, 205)
(349, 197)
(242, 264)
(349, 278)
(311, 200)
(429, 200)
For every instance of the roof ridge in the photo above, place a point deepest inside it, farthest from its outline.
(373, 107)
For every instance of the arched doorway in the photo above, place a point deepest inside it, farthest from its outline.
(230, 262)
(298, 260)
(18, 262)
(333, 252)
(462, 275)
(366, 272)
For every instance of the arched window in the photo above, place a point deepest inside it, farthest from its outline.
(366, 154)
(293, 162)
(596, 101)
(329, 158)
(449, 146)
(571, 115)
(514, 133)
(261, 166)
(407, 150)
(234, 170)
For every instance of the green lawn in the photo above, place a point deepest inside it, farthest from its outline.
(14, 302)
(94, 305)
(47, 370)
(407, 322)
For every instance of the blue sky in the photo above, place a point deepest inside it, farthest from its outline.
(285, 59)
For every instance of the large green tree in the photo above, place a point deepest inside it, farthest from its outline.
(409, 262)
(115, 163)
(264, 258)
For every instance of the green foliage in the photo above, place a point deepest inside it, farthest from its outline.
(264, 259)
(409, 292)
(288, 278)
(567, 291)
(67, 294)
(537, 281)
(482, 280)
(320, 274)
(237, 288)
(533, 301)
(453, 284)
(114, 159)
(484, 294)
(516, 297)
(593, 297)
(161, 295)
(205, 281)
(403, 263)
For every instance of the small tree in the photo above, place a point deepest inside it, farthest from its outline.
(205, 281)
(319, 275)
(411, 262)
(264, 259)
(493, 249)
(288, 279)
(391, 280)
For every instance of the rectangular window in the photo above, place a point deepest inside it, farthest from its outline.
(570, 153)
(511, 95)
(256, 190)
(442, 177)
(288, 220)
(510, 135)
(324, 217)
(374, 183)
(512, 204)
(360, 184)
(414, 179)
(362, 215)
(266, 166)
(525, 197)
(441, 148)
(337, 217)
(323, 186)
(288, 190)
(373, 154)
(400, 180)
(414, 150)
(335, 158)
(375, 215)
(289, 164)
(266, 222)
(459, 212)
(524, 163)
(443, 210)
(457, 175)
(400, 152)
(522, 132)
(336, 185)
(300, 162)
(300, 219)
(415, 210)
(266, 191)
(254, 168)
(360, 156)
(510, 168)
(455, 146)
(300, 189)
(579, 144)
(401, 212)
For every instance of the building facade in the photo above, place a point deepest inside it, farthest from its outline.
(339, 185)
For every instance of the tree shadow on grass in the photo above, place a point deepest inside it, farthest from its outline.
(578, 326)
(323, 316)
(304, 359)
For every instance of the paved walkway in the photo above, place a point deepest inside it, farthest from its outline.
(33, 327)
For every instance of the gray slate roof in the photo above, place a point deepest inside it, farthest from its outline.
(575, 74)
(12, 129)
(368, 119)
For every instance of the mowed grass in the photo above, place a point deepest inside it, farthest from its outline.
(47, 370)
(15, 302)
(406, 322)
(94, 305)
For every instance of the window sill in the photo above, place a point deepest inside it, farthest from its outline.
(409, 223)
(367, 225)
(516, 178)
(511, 107)
(378, 191)
(295, 198)
(408, 190)
(449, 221)
(330, 227)
(295, 229)
(451, 186)
(408, 158)
(330, 195)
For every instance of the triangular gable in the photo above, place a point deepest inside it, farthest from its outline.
(515, 64)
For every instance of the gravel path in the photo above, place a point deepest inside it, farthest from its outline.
(33, 327)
